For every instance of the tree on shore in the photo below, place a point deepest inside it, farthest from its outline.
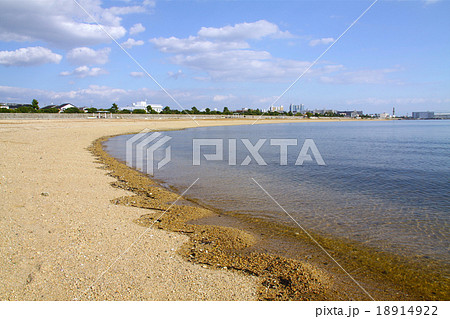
(50, 110)
(151, 110)
(35, 104)
(166, 110)
(73, 110)
(114, 108)
(226, 111)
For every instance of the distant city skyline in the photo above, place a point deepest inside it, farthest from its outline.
(236, 54)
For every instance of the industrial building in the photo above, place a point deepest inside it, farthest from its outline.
(422, 115)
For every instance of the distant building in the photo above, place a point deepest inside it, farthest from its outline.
(296, 108)
(352, 114)
(61, 107)
(243, 110)
(384, 115)
(66, 106)
(143, 105)
(157, 107)
(323, 111)
(442, 115)
(278, 109)
(422, 115)
(140, 105)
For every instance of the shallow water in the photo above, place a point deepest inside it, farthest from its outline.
(385, 184)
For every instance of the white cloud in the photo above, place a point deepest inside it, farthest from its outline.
(88, 56)
(242, 65)
(29, 56)
(247, 65)
(195, 44)
(220, 39)
(131, 43)
(242, 31)
(315, 42)
(137, 28)
(137, 74)
(224, 54)
(62, 22)
(84, 71)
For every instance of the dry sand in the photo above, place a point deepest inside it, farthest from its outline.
(59, 230)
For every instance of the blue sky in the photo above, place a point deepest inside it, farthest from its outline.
(227, 53)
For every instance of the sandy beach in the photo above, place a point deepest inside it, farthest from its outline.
(60, 232)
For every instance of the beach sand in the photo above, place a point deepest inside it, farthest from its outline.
(62, 236)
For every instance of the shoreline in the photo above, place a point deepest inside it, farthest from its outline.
(214, 246)
(392, 270)
(60, 241)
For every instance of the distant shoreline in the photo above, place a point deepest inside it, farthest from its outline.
(111, 116)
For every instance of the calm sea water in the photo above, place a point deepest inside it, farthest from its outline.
(385, 184)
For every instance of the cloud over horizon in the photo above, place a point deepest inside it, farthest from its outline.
(226, 55)
(244, 31)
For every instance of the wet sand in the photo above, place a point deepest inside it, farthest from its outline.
(60, 231)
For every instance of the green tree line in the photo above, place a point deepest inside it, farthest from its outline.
(34, 108)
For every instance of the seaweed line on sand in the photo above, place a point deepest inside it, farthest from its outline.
(280, 278)
(214, 246)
